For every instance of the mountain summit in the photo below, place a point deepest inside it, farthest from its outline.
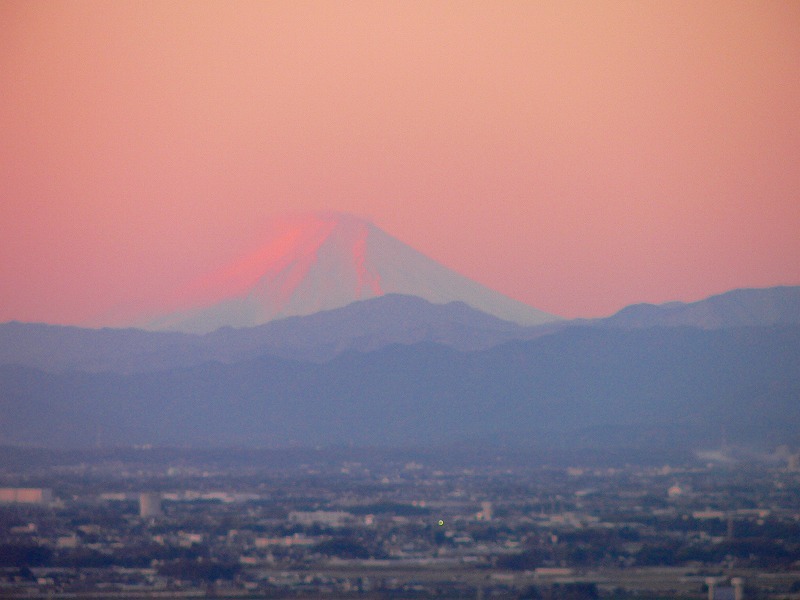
(323, 261)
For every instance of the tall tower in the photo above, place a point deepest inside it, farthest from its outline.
(738, 588)
(711, 582)
(793, 462)
(150, 505)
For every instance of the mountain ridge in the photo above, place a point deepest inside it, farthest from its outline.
(739, 307)
(578, 379)
(363, 326)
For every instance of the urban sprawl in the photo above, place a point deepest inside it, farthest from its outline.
(150, 523)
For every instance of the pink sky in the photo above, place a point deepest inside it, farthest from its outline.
(576, 156)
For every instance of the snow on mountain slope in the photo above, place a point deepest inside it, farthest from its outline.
(322, 261)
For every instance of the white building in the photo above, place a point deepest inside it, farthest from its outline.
(43, 496)
(321, 517)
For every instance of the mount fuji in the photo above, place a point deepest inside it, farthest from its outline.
(321, 261)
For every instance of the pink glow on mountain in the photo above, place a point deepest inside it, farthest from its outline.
(313, 262)
(366, 278)
(294, 242)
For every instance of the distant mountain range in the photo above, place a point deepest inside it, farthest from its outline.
(390, 348)
(362, 326)
(580, 387)
(400, 370)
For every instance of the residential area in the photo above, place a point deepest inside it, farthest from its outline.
(156, 523)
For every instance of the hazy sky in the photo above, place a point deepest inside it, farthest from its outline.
(576, 156)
